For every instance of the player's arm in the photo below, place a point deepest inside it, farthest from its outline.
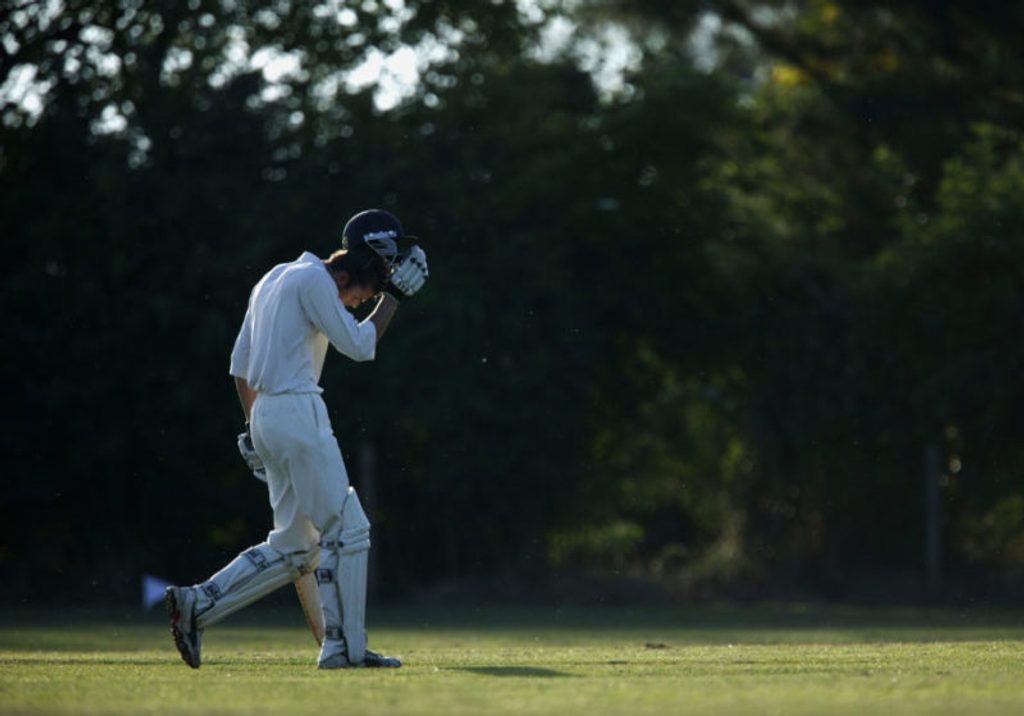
(246, 396)
(382, 313)
(246, 393)
(239, 367)
(324, 309)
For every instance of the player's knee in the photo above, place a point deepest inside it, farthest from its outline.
(355, 534)
(351, 531)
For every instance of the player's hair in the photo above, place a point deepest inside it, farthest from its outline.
(363, 266)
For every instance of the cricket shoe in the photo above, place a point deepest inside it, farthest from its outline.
(372, 660)
(181, 604)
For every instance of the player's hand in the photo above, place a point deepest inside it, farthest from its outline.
(410, 274)
(252, 459)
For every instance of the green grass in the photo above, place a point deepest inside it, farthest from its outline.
(777, 660)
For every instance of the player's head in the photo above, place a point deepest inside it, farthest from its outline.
(361, 272)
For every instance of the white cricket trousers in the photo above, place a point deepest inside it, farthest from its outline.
(306, 474)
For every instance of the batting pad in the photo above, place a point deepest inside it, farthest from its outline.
(344, 549)
(254, 573)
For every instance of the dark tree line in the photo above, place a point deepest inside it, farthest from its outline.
(701, 327)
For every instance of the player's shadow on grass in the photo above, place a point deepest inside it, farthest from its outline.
(520, 671)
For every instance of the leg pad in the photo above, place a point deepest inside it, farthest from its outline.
(342, 577)
(256, 572)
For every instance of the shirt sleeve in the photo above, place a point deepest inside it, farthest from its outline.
(355, 339)
(243, 344)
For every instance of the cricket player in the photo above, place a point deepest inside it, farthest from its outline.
(294, 311)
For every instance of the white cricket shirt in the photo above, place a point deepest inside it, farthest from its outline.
(293, 312)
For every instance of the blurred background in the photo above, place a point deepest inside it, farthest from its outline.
(725, 297)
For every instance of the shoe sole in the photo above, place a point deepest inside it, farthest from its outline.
(174, 614)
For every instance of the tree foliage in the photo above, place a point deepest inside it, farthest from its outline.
(699, 327)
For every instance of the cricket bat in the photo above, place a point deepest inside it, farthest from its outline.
(309, 598)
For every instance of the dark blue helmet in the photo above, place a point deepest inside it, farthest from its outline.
(378, 229)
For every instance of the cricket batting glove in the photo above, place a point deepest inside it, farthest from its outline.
(253, 460)
(410, 274)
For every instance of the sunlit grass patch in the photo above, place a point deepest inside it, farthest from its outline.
(530, 661)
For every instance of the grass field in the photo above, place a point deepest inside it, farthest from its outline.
(765, 660)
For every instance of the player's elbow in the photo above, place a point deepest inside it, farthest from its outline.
(365, 345)
(359, 352)
(367, 354)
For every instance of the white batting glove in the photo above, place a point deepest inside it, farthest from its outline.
(252, 459)
(410, 275)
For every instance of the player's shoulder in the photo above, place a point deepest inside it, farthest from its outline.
(310, 275)
(293, 275)
(306, 267)
(309, 268)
